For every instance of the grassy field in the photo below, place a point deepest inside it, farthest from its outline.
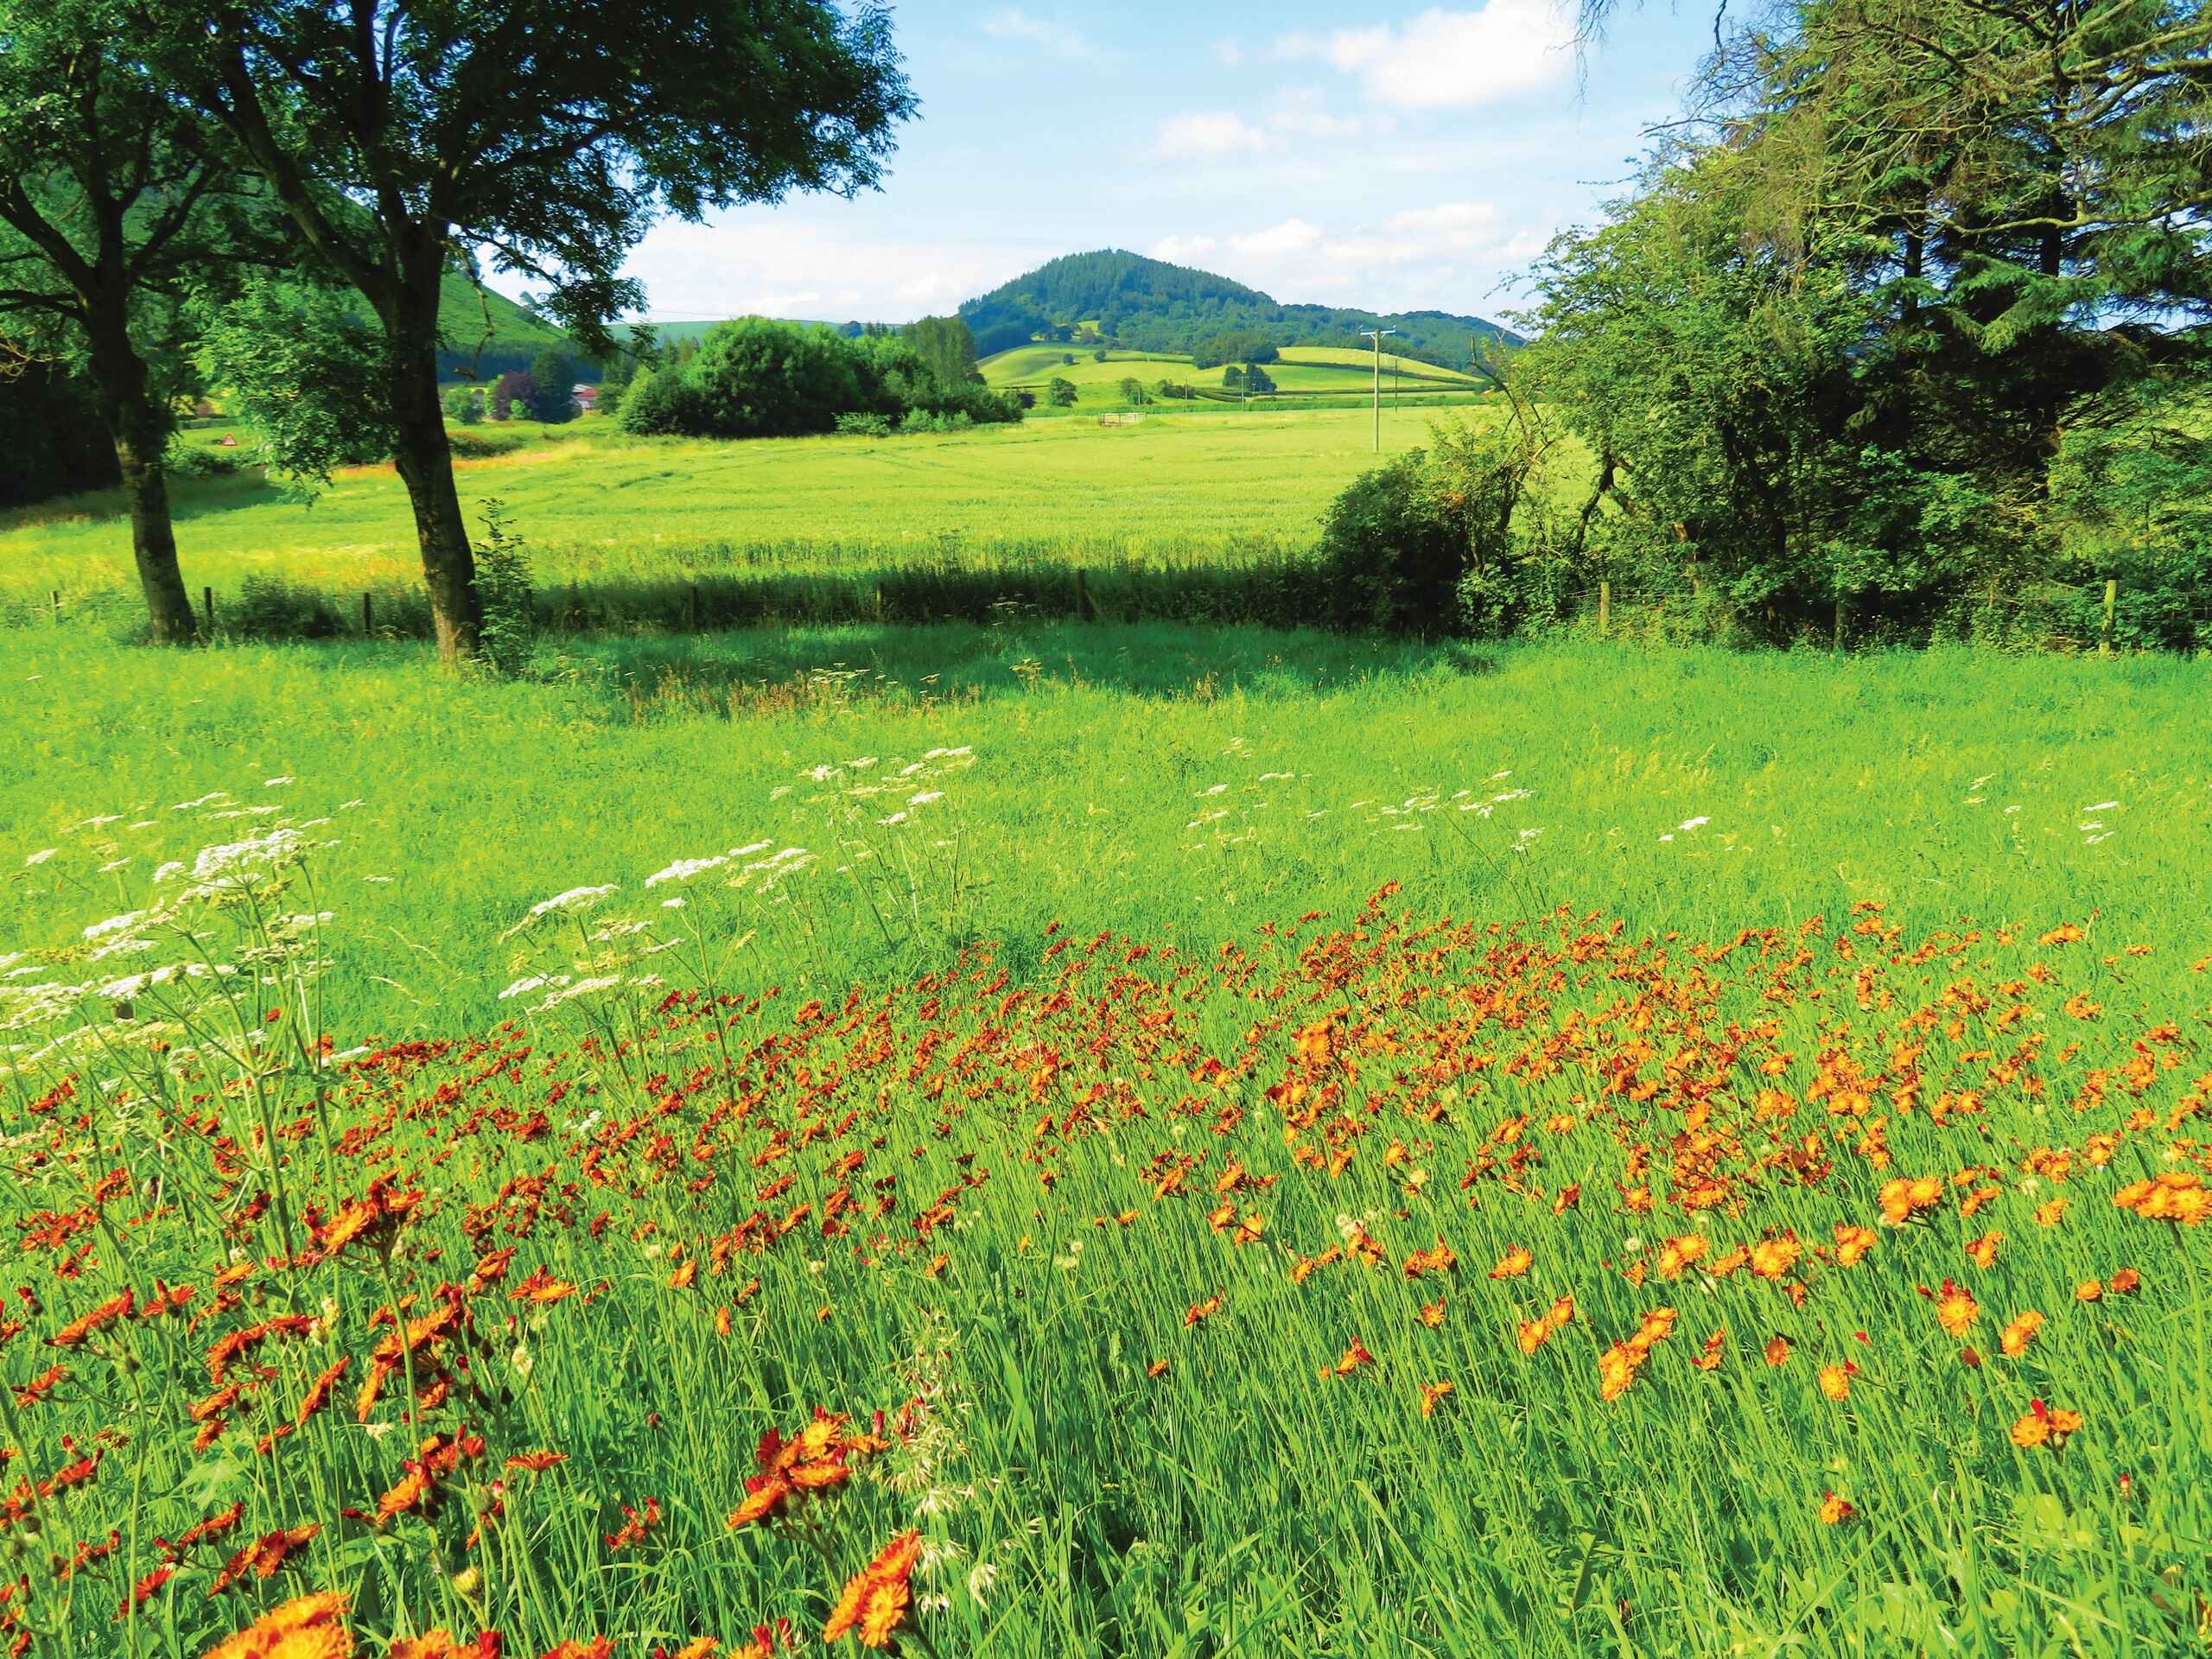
(1305, 371)
(1180, 782)
(1782, 1239)
(597, 505)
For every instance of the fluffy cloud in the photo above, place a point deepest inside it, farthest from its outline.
(1014, 24)
(1449, 59)
(1205, 133)
(758, 260)
(1201, 135)
(1447, 255)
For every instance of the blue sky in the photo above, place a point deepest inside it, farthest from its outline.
(1380, 155)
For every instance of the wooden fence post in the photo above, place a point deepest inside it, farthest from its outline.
(1605, 608)
(2112, 601)
(57, 604)
(207, 601)
(1084, 607)
(368, 616)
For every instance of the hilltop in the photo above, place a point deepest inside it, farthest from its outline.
(1149, 305)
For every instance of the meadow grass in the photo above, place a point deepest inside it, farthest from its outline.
(1789, 1247)
(595, 505)
(1177, 783)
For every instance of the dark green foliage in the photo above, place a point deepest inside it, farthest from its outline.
(1391, 561)
(304, 372)
(553, 378)
(759, 379)
(946, 349)
(1257, 379)
(503, 577)
(1917, 349)
(464, 405)
(55, 442)
(1246, 347)
(1059, 393)
(1147, 305)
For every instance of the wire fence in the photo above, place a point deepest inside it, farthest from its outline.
(1273, 587)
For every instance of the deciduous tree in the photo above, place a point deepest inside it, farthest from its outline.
(404, 135)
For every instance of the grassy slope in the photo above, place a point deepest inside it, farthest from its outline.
(1824, 782)
(604, 505)
(465, 312)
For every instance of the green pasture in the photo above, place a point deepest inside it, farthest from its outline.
(1184, 783)
(596, 505)
(1303, 370)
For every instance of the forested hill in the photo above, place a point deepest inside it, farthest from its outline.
(1151, 306)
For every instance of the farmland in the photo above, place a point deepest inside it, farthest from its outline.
(1301, 371)
(596, 506)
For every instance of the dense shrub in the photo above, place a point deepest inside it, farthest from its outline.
(759, 379)
(1390, 560)
(197, 460)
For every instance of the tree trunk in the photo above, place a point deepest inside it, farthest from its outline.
(140, 429)
(425, 461)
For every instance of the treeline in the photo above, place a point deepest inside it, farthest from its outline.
(1907, 334)
(756, 377)
(268, 194)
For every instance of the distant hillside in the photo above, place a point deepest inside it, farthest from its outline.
(464, 314)
(1148, 305)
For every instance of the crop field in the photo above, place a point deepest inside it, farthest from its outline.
(1303, 370)
(1106, 1141)
(594, 505)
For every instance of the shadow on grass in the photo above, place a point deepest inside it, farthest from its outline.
(920, 667)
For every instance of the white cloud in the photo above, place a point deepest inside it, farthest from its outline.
(1445, 256)
(1446, 60)
(1014, 24)
(1206, 132)
(761, 260)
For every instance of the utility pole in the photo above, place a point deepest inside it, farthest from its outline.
(1378, 333)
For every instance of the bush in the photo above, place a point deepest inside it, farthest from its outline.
(950, 421)
(503, 587)
(469, 445)
(196, 460)
(659, 404)
(464, 405)
(864, 426)
(1060, 393)
(269, 607)
(1392, 561)
(511, 395)
(553, 378)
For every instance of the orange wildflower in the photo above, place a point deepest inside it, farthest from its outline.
(307, 1627)
(876, 1600)
(1514, 1263)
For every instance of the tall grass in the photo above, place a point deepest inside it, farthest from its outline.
(1379, 1283)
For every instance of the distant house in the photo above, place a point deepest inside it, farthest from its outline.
(586, 396)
